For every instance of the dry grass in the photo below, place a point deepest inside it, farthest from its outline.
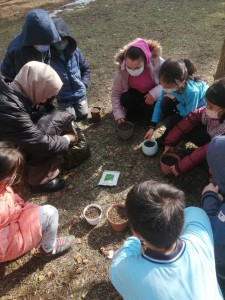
(192, 29)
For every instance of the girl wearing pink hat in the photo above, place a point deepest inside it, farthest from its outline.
(136, 84)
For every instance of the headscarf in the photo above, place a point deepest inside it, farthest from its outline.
(141, 44)
(38, 81)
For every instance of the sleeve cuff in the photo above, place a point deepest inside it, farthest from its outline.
(153, 125)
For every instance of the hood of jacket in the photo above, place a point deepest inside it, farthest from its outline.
(216, 162)
(38, 81)
(38, 29)
(141, 44)
(64, 32)
(151, 49)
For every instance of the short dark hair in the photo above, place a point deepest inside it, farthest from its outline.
(135, 53)
(156, 211)
(11, 161)
(215, 94)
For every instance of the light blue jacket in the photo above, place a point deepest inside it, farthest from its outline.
(183, 275)
(192, 98)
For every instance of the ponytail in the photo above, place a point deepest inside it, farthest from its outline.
(191, 70)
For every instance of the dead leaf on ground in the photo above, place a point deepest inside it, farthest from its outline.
(78, 258)
(51, 274)
(94, 269)
(86, 261)
(79, 270)
(107, 253)
(40, 278)
(70, 186)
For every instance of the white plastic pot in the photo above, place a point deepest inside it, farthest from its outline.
(93, 221)
(149, 147)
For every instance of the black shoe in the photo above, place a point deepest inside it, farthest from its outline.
(48, 187)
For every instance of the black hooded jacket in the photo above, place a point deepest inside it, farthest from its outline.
(25, 126)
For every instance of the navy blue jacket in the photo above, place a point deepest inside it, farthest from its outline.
(215, 208)
(72, 67)
(38, 29)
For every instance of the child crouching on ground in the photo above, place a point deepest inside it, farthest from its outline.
(179, 255)
(183, 92)
(213, 196)
(199, 127)
(74, 71)
(23, 225)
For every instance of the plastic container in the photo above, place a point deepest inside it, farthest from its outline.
(116, 226)
(125, 130)
(167, 160)
(94, 220)
(149, 147)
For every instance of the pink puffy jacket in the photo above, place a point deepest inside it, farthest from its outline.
(20, 229)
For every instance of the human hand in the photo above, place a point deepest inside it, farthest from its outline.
(120, 120)
(213, 188)
(168, 149)
(169, 96)
(149, 100)
(71, 137)
(149, 134)
(174, 170)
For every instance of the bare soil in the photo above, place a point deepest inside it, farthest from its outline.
(93, 212)
(186, 29)
(95, 110)
(169, 161)
(125, 126)
(117, 214)
(149, 144)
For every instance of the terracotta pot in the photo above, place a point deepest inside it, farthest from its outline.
(96, 113)
(92, 221)
(116, 226)
(149, 147)
(125, 130)
(167, 160)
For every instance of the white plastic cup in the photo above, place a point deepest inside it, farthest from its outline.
(149, 147)
(96, 220)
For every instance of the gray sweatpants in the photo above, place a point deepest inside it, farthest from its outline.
(78, 109)
(48, 217)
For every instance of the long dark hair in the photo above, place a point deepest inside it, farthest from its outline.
(215, 94)
(176, 71)
(11, 162)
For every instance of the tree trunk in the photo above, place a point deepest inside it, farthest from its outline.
(220, 72)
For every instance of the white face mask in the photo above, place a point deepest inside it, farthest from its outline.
(42, 48)
(169, 90)
(135, 72)
(212, 114)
